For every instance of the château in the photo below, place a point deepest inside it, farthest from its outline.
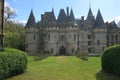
(66, 34)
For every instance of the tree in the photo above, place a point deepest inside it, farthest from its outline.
(14, 35)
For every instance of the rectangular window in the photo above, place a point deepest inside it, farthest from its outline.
(48, 37)
(89, 50)
(74, 37)
(62, 38)
(89, 43)
(34, 37)
(26, 46)
(51, 50)
(89, 36)
(98, 42)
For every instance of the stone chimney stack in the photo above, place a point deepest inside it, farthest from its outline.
(67, 11)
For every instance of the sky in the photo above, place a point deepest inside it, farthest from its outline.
(110, 9)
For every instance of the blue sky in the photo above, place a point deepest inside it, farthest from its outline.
(109, 8)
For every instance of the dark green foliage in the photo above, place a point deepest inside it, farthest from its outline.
(82, 55)
(14, 35)
(41, 43)
(12, 62)
(41, 56)
(111, 60)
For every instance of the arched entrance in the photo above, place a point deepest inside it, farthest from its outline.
(62, 50)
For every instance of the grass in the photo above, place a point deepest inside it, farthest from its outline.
(64, 68)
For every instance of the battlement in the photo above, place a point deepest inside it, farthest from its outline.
(100, 30)
(31, 29)
(65, 28)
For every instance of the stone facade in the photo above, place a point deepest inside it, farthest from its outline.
(65, 35)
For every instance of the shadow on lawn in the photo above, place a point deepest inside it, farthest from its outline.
(106, 76)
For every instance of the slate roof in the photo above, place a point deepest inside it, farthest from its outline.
(99, 22)
(72, 17)
(90, 15)
(31, 20)
(62, 15)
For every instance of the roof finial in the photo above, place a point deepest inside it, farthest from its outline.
(89, 5)
(52, 9)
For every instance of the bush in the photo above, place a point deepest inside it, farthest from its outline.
(111, 60)
(82, 55)
(12, 62)
(40, 56)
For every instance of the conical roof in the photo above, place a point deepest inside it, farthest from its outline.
(31, 20)
(90, 15)
(113, 25)
(53, 15)
(72, 18)
(62, 15)
(99, 22)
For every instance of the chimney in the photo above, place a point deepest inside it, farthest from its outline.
(82, 18)
(67, 11)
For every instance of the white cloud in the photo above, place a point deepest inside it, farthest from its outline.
(20, 22)
(117, 19)
(8, 8)
(23, 21)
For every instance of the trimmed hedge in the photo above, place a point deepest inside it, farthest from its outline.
(111, 60)
(12, 62)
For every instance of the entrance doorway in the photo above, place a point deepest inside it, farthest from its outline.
(62, 50)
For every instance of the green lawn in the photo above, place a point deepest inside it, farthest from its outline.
(64, 68)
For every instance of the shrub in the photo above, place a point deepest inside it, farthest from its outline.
(12, 62)
(40, 56)
(82, 55)
(111, 60)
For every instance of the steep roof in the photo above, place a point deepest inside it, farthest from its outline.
(31, 20)
(72, 17)
(99, 22)
(113, 25)
(90, 15)
(62, 15)
(53, 15)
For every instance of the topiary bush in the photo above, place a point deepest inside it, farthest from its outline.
(110, 60)
(12, 62)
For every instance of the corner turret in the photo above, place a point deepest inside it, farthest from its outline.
(99, 22)
(72, 17)
(90, 18)
(31, 20)
(62, 16)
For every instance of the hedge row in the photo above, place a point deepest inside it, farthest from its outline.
(12, 62)
(111, 60)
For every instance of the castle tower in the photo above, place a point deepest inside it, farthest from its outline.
(72, 17)
(62, 15)
(31, 37)
(90, 18)
(31, 20)
(99, 22)
(100, 33)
